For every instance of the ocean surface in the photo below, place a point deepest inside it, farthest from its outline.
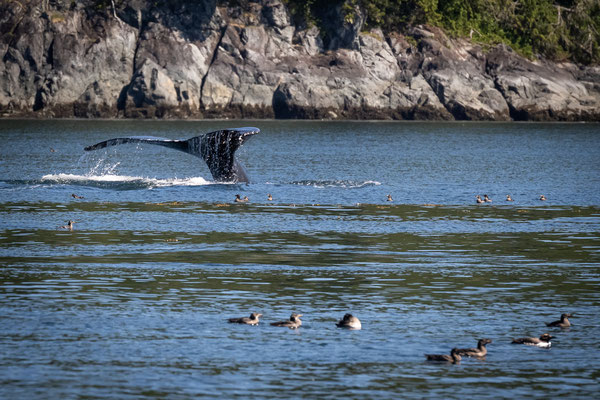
(133, 303)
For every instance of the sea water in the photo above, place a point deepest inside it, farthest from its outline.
(133, 303)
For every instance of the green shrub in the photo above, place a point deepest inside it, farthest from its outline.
(559, 29)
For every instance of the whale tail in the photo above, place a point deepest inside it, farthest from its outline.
(216, 148)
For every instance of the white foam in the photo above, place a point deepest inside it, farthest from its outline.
(374, 183)
(346, 184)
(109, 178)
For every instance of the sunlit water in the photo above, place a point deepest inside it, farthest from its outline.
(133, 303)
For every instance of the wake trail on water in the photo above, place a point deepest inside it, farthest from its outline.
(345, 184)
(121, 181)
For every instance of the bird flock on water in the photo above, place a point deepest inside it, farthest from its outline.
(351, 322)
(239, 199)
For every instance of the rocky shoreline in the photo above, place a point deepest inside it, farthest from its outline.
(205, 60)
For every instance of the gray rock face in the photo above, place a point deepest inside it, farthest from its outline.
(58, 65)
(542, 91)
(457, 76)
(212, 59)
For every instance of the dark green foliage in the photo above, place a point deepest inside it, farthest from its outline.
(554, 29)
(305, 12)
(396, 15)
(557, 29)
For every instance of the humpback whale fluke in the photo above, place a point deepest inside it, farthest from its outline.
(216, 148)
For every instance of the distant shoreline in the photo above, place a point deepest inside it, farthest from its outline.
(249, 120)
(144, 60)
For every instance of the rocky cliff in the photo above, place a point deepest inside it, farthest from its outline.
(212, 59)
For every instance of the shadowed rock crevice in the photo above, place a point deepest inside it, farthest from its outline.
(213, 58)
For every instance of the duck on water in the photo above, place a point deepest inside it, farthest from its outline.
(480, 351)
(293, 323)
(68, 226)
(349, 322)
(542, 341)
(251, 320)
(454, 357)
(563, 322)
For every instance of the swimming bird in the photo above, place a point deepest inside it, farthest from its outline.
(238, 199)
(478, 199)
(251, 320)
(563, 323)
(350, 322)
(480, 351)
(76, 196)
(543, 341)
(68, 226)
(508, 198)
(454, 357)
(486, 198)
(389, 197)
(269, 197)
(293, 323)
(542, 197)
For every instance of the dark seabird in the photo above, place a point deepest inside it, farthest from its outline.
(542, 197)
(251, 320)
(350, 322)
(68, 226)
(486, 198)
(238, 199)
(508, 198)
(269, 197)
(293, 323)
(389, 197)
(76, 196)
(563, 323)
(478, 199)
(454, 357)
(543, 341)
(480, 351)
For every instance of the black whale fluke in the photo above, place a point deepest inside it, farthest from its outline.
(216, 148)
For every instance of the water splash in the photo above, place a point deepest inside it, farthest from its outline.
(98, 164)
(101, 171)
